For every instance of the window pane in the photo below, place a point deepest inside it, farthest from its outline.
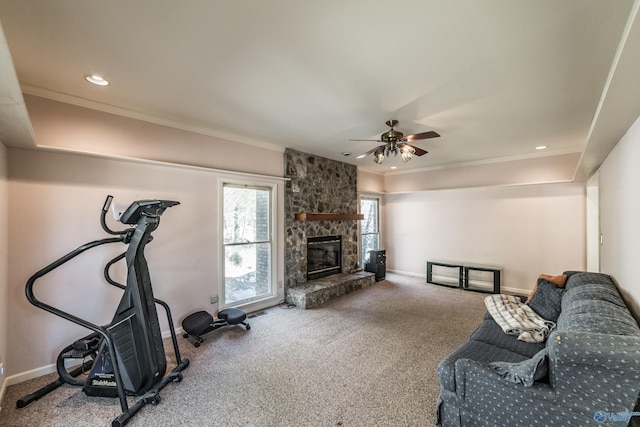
(247, 240)
(369, 207)
(369, 243)
(369, 227)
(247, 271)
(246, 215)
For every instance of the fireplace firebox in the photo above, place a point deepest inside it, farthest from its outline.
(324, 256)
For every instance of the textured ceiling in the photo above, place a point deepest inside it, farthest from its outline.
(495, 78)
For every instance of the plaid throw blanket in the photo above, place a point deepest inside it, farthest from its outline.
(517, 318)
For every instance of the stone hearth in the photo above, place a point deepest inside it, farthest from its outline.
(316, 292)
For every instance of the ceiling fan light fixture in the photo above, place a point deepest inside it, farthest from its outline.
(378, 156)
(406, 153)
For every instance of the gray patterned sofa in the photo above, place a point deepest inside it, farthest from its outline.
(586, 372)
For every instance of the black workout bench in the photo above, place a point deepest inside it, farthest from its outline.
(201, 322)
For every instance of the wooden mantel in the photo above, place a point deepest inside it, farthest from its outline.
(306, 216)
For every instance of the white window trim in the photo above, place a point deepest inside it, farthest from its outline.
(277, 293)
(380, 240)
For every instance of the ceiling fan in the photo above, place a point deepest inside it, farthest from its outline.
(395, 142)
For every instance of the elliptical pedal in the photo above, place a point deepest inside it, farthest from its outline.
(82, 348)
(76, 354)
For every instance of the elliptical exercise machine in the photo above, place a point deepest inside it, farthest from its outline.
(125, 357)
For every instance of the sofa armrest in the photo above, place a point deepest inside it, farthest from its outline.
(475, 380)
(595, 371)
(591, 349)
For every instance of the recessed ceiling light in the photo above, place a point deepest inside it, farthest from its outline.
(541, 147)
(96, 80)
(346, 154)
(361, 156)
(394, 167)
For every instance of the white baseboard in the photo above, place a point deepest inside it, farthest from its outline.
(29, 375)
(407, 273)
(261, 304)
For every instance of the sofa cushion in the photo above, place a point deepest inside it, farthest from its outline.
(474, 350)
(593, 292)
(490, 332)
(559, 281)
(597, 316)
(547, 300)
(525, 372)
(579, 278)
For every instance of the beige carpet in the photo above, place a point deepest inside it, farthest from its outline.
(368, 358)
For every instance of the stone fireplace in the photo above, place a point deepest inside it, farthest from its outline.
(318, 186)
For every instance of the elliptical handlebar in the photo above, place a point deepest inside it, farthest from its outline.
(103, 218)
(57, 263)
(123, 237)
(107, 203)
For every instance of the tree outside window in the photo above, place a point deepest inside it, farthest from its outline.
(369, 226)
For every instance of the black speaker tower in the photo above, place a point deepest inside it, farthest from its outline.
(377, 264)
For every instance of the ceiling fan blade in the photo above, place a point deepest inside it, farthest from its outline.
(418, 151)
(369, 152)
(419, 136)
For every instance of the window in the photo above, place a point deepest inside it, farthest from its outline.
(370, 226)
(248, 244)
